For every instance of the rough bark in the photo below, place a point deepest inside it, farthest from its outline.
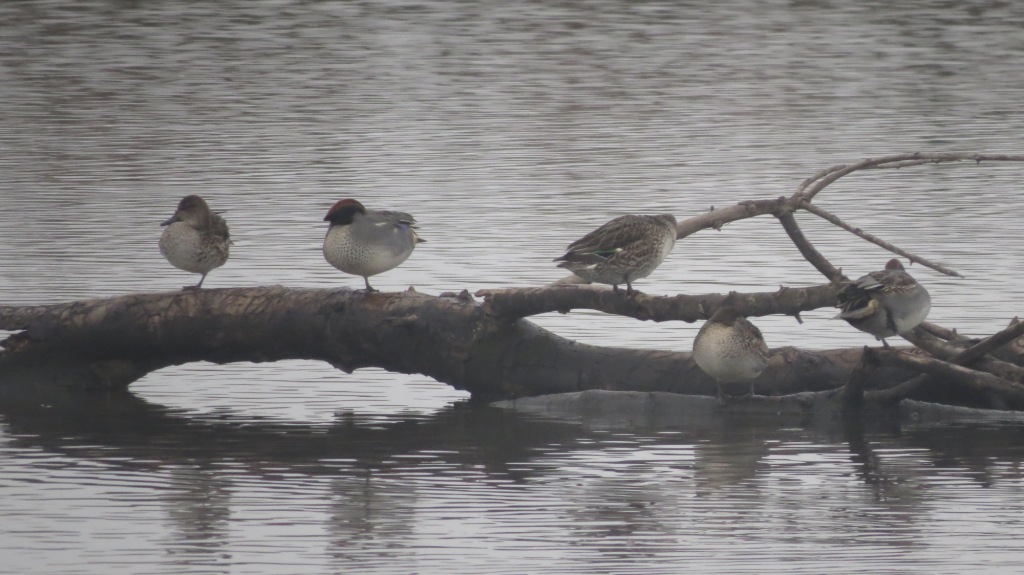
(452, 338)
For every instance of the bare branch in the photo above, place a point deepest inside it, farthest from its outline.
(826, 177)
(810, 253)
(518, 303)
(810, 187)
(831, 218)
(715, 219)
(942, 332)
(821, 174)
(952, 157)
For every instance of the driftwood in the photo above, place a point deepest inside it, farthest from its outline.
(492, 350)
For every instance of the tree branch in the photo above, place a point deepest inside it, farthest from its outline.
(964, 357)
(808, 188)
(831, 218)
(112, 342)
(976, 381)
(716, 218)
(810, 253)
(518, 303)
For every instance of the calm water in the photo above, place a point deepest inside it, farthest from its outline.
(508, 129)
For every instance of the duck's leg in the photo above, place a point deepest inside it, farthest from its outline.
(198, 285)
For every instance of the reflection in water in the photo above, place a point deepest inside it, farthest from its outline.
(199, 512)
(508, 129)
(476, 486)
(370, 519)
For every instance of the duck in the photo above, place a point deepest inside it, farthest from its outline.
(625, 249)
(366, 242)
(730, 349)
(196, 239)
(884, 303)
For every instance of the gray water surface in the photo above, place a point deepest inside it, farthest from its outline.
(508, 130)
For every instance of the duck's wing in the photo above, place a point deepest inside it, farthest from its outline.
(609, 239)
(387, 217)
(219, 227)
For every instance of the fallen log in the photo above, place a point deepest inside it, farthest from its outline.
(492, 350)
(452, 338)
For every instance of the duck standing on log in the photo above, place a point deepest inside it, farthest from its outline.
(196, 239)
(730, 349)
(368, 242)
(625, 249)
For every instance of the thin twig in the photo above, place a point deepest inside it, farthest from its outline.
(953, 157)
(821, 174)
(829, 175)
(833, 219)
(810, 187)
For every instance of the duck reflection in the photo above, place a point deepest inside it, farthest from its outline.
(198, 502)
(659, 484)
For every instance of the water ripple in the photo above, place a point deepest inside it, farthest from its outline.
(508, 131)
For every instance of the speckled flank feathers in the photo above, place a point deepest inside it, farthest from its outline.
(196, 239)
(884, 303)
(621, 251)
(368, 242)
(730, 349)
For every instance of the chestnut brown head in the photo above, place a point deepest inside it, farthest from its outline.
(342, 212)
